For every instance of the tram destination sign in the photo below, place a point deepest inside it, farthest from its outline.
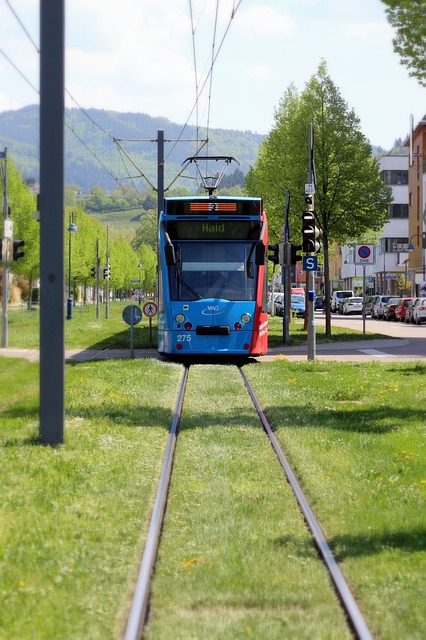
(213, 229)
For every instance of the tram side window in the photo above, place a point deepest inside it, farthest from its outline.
(212, 271)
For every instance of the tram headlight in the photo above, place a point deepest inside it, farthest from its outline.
(245, 318)
(180, 318)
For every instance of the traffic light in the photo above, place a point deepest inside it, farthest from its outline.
(274, 256)
(310, 233)
(16, 251)
(93, 272)
(294, 256)
(107, 272)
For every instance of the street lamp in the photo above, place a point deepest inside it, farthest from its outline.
(410, 247)
(140, 287)
(71, 229)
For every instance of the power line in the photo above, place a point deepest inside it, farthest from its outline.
(19, 71)
(22, 25)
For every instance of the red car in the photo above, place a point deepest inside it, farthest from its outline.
(401, 309)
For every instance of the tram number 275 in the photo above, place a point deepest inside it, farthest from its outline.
(184, 337)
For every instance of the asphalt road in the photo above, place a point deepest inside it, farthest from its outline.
(406, 342)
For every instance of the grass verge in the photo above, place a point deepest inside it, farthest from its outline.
(358, 445)
(84, 330)
(73, 518)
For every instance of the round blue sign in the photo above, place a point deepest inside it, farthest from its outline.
(364, 251)
(132, 314)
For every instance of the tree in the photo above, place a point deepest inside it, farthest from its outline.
(408, 18)
(25, 226)
(147, 232)
(350, 197)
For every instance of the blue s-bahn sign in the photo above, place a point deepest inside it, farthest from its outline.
(310, 263)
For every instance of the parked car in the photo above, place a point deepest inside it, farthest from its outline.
(369, 304)
(352, 305)
(297, 306)
(278, 297)
(419, 311)
(378, 306)
(319, 303)
(389, 309)
(337, 297)
(340, 304)
(401, 309)
(409, 316)
(409, 309)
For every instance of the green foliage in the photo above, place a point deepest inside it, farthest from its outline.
(19, 132)
(408, 18)
(25, 227)
(350, 199)
(147, 232)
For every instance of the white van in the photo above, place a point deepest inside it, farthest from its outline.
(337, 297)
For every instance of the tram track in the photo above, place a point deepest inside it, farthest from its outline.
(139, 611)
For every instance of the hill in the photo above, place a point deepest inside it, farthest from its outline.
(92, 157)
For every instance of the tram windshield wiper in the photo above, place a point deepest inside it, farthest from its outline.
(188, 287)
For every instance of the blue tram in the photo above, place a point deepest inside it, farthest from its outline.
(212, 276)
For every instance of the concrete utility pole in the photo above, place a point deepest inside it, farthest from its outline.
(311, 277)
(5, 251)
(52, 223)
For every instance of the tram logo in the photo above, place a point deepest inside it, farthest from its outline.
(211, 310)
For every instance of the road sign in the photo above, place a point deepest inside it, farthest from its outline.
(309, 188)
(310, 263)
(132, 314)
(364, 254)
(150, 309)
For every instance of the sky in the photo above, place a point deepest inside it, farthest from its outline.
(149, 56)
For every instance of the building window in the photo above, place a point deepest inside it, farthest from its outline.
(394, 177)
(393, 245)
(398, 211)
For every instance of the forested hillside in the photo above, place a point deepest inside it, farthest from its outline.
(92, 157)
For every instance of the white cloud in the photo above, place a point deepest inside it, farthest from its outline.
(261, 72)
(265, 21)
(367, 30)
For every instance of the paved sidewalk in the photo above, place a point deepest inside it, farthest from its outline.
(357, 351)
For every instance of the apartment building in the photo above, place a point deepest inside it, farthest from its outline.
(390, 272)
(416, 144)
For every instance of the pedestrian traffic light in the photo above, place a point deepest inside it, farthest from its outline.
(274, 256)
(16, 249)
(310, 233)
(93, 272)
(294, 256)
(107, 272)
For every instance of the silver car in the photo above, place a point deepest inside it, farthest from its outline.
(378, 306)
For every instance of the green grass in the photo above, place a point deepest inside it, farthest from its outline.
(124, 222)
(236, 560)
(86, 331)
(73, 518)
(357, 440)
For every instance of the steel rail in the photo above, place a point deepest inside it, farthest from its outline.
(95, 355)
(139, 606)
(350, 606)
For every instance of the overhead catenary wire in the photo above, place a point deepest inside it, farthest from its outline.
(199, 90)
(214, 57)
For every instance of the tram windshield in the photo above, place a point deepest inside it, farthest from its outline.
(212, 270)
